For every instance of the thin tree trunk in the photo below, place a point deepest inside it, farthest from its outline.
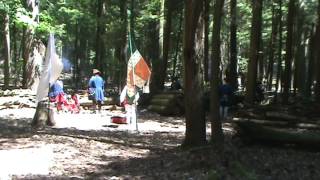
(289, 56)
(279, 64)
(254, 50)
(275, 21)
(206, 40)
(7, 59)
(166, 38)
(233, 44)
(311, 63)
(317, 60)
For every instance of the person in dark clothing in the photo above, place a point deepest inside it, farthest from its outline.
(259, 92)
(226, 93)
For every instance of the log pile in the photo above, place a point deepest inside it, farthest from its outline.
(167, 103)
(295, 124)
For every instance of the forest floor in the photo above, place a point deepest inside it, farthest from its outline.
(88, 146)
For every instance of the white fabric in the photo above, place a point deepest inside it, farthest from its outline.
(51, 71)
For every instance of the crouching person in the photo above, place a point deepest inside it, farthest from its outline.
(129, 98)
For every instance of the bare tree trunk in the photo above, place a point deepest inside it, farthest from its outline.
(99, 36)
(279, 64)
(206, 40)
(166, 38)
(254, 50)
(216, 128)
(289, 56)
(317, 60)
(275, 21)
(195, 120)
(311, 62)
(233, 44)
(7, 59)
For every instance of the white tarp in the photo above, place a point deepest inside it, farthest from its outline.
(51, 70)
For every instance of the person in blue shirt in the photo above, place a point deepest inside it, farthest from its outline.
(226, 93)
(57, 94)
(96, 89)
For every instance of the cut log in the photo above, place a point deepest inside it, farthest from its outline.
(167, 103)
(43, 116)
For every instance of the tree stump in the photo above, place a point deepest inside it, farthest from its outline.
(43, 116)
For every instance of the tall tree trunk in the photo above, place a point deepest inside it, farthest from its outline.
(7, 59)
(31, 73)
(311, 62)
(216, 128)
(195, 119)
(233, 44)
(122, 44)
(76, 55)
(317, 60)
(206, 40)
(279, 64)
(99, 36)
(254, 50)
(177, 46)
(166, 39)
(289, 56)
(272, 47)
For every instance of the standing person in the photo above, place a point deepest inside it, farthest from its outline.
(130, 104)
(96, 89)
(226, 94)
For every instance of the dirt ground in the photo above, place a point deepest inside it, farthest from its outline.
(88, 146)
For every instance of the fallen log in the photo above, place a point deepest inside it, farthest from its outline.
(260, 132)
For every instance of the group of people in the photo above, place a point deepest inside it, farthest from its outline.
(63, 101)
(96, 88)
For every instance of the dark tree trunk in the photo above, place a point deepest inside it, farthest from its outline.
(254, 50)
(311, 62)
(99, 36)
(195, 120)
(279, 64)
(317, 60)
(206, 40)
(289, 49)
(177, 46)
(166, 39)
(122, 45)
(272, 47)
(233, 44)
(76, 55)
(216, 128)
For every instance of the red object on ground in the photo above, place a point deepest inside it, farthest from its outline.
(119, 120)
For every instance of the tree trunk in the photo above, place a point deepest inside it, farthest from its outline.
(289, 56)
(254, 50)
(7, 59)
(275, 21)
(166, 39)
(317, 60)
(206, 40)
(99, 35)
(279, 64)
(311, 62)
(233, 44)
(216, 128)
(43, 116)
(195, 120)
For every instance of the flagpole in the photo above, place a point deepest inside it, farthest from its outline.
(132, 65)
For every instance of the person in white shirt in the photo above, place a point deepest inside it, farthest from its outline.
(129, 98)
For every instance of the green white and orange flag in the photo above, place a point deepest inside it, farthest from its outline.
(138, 73)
